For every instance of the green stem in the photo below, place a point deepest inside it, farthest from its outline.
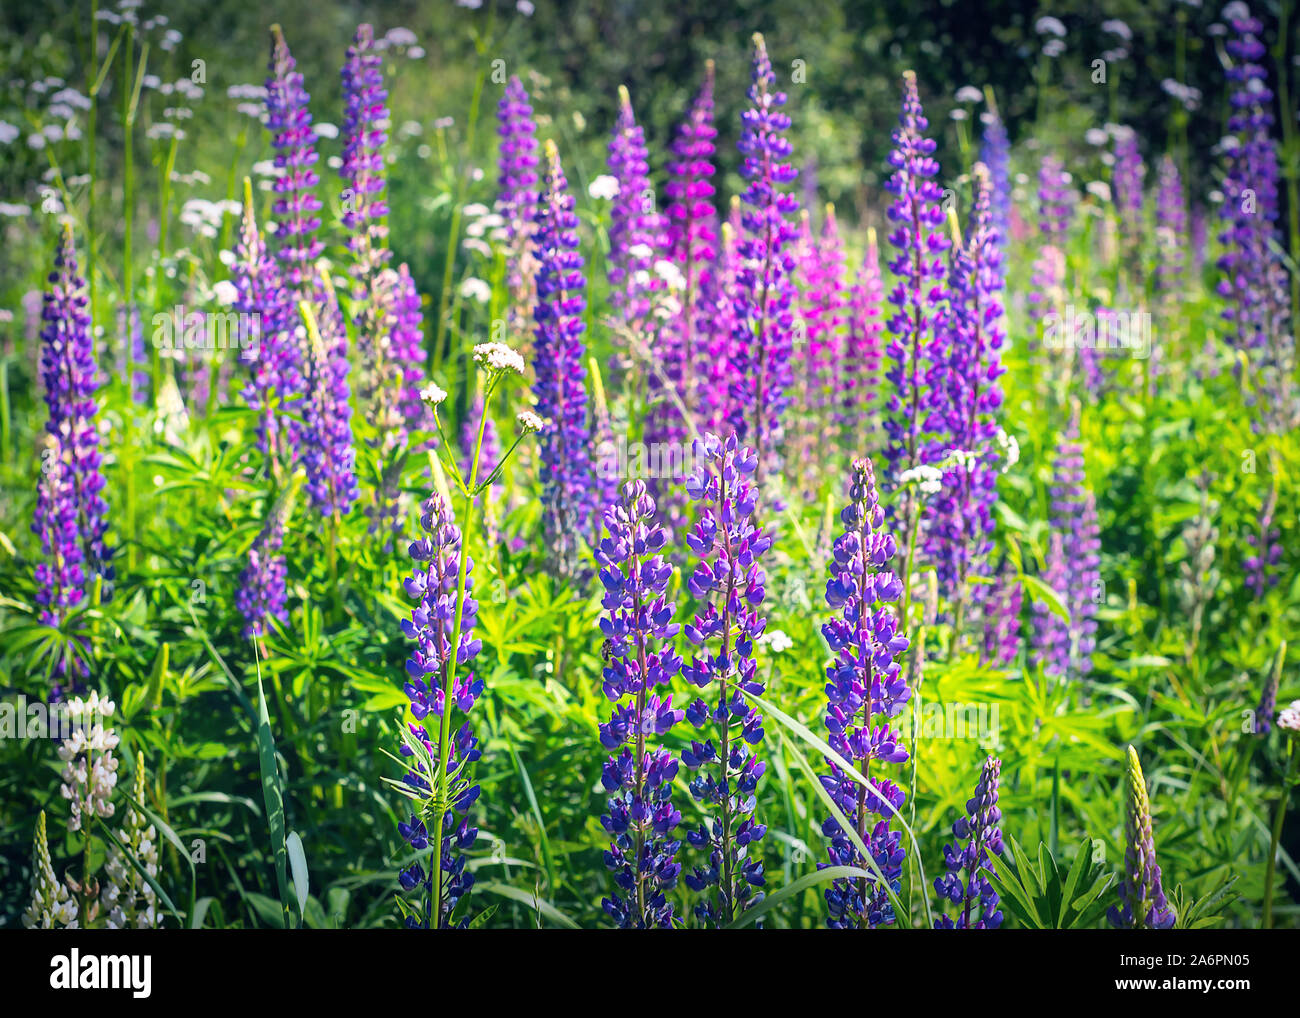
(1278, 818)
(449, 669)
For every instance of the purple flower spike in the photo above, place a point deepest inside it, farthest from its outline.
(517, 192)
(1171, 229)
(636, 230)
(996, 154)
(764, 288)
(296, 206)
(1142, 899)
(685, 350)
(920, 241)
(365, 133)
(860, 369)
(559, 361)
(431, 626)
(639, 656)
(823, 314)
(327, 452)
(729, 585)
(958, 536)
(1055, 212)
(865, 689)
(262, 594)
(1260, 566)
(1001, 611)
(275, 366)
(978, 840)
(1074, 565)
(72, 462)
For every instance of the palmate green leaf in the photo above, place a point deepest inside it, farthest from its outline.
(1036, 896)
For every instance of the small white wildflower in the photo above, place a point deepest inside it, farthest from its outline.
(498, 357)
(1048, 25)
(433, 394)
(474, 288)
(475, 209)
(1010, 449)
(670, 274)
(929, 479)
(969, 94)
(325, 130)
(1288, 718)
(529, 422)
(604, 186)
(775, 640)
(1099, 189)
(225, 292)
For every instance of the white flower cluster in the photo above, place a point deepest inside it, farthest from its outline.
(929, 479)
(529, 423)
(775, 640)
(1288, 719)
(1009, 449)
(89, 766)
(433, 394)
(497, 358)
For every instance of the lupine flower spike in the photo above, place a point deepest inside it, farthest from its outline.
(1142, 899)
(436, 781)
(920, 241)
(978, 839)
(639, 656)
(728, 584)
(865, 689)
(764, 287)
(560, 365)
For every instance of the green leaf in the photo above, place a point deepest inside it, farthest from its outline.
(1041, 592)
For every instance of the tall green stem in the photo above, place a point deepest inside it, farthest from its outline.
(1271, 871)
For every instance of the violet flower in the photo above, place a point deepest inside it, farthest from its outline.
(365, 133)
(958, 538)
(559, 362)
(296, 206)
(71, 511)
(1074, 515)
(865, 689)
(1171, 229)
(432, 625)
(1001, 617)
(1051, 633)
(823, 307)
(327, 452)
(636, 231)
(996, 155)
(517, 192)
(275, 363)
(978, 840)
(764, 288)
(692, 239)
(1055, 213)
(860, 367)
(684, 350)
(1142, 899)
(639, 658)
(262, 584)
(1265, 549)
(920, 240)
(728, 584)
